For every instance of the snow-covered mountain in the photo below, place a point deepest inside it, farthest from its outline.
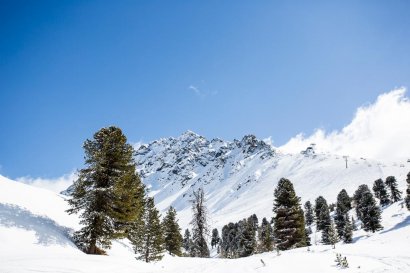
(239, 176)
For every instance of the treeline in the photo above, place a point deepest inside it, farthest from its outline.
(290, 227)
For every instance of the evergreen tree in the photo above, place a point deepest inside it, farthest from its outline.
(357, 197)
(187, 242)
(323, 220)
(172, 233)
(289, 222)
(265, 236)
(199, 224)
(246, 238)
(319, 203)
(344, 202)
(371, 214)
(215, 240)
(348, 231)
(340, 221)
(309, 217)
(331, 235)
(325, 223)
(307, 236)
(229, 245)
(354, 227)
(148, 240)
(395, 194)
(380, 192)
(108, 191)
(408, 192)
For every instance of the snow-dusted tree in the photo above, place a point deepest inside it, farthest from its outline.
(172, 233)
(309, 217)
(408, 192)
(307, 236)
(319, 203)
(371, 214)
(148, 240)
(187, 242)
(357, 197)
(331, 235)
(395, 194)
(289, 222)
(200, 228)
(344, 201)
(265, 236)
(245, 238)
(229, 245)
(380, 192)
(348, 231)
(340, 221)
(323, 220)
(108, 192)
(325, 223)
(215, 240)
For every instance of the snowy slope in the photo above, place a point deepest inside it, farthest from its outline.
(239, 177)
(34, 228)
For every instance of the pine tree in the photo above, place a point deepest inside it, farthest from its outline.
(199, 224)
(108, 191)
(265, 236)
(408, 192)
(307, 236)
(371, 214)
(380, 192)
(319, 203)
(395, 194)
(289, 222)
(309, 217)
(187, 242)
(245, 238)
(357, 197)
(215, 240)
(332, 237)
(325, 223)
(354, 227)
(323, 220)
(148, 239)
(340, 221)
(344, 202)
(348, 231)
(172, 233)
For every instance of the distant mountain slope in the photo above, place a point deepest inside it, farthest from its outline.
(239, 176)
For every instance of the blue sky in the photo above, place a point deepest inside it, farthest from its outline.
(157, 68)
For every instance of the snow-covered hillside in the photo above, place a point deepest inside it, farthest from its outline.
(34, 237)
(239, 176)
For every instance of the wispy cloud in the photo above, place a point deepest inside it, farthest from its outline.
(54, 184)
(201, 92)
(380, 131)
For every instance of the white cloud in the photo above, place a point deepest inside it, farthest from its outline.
(54, 184)
(196, 90)
(380, 131)
(201, 92)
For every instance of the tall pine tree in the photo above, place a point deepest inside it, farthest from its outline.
(319, 203)
(108, 192)
(395, 194)
(200, 228)
(357, 197)
(289, 222)
(309, 217)
(265, 236)
(348, 231)
(380, 192)
(172, 233)
(371, 214)
(148, 239)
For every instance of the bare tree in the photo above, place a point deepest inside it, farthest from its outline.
(200, 228)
